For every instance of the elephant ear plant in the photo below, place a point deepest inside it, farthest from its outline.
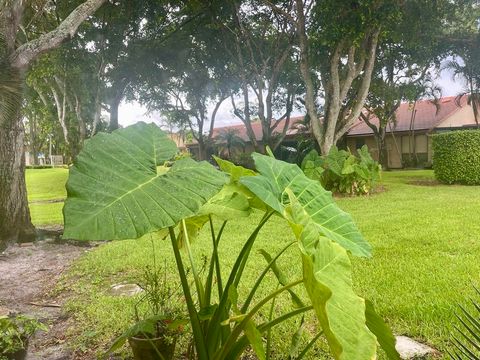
(120, 188)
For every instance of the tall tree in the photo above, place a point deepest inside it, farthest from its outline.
(19, 49)
(188, 86)
(407, 59)
(260, 48)
(338, 43)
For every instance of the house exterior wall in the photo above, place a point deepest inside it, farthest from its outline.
(394, 156)
(418, 146)
(356, 142)
(398, 148)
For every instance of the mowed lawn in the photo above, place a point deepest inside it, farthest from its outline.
(425, 236)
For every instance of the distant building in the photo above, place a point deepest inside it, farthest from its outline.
(414, 124)
(409, 135)
(241, 132)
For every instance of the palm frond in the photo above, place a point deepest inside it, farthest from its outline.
(457, 69)
(466, 341)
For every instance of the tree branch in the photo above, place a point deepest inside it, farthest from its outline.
(28, 52)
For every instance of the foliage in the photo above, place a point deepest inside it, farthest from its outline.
(227, 139)
(222, 325)
(15, 331)
(467, 339)
(162, 317)
(402, 244)
(456, 157)
(342, 172)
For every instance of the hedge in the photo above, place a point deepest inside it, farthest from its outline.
(456, 157)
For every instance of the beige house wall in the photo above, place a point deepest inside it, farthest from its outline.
(396, 145)
(357, 142)
(393, 152)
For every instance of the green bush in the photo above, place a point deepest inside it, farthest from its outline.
(456, 157)
(342, 172)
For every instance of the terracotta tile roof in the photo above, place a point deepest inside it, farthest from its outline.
(257, 129)
(427, 116)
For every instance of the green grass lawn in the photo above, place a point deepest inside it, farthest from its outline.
(426, 242)
(45, 187)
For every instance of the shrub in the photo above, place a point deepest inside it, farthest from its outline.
(342, 172)
(456, 157)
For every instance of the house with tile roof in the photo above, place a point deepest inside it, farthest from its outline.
(241, 131)
(409, 137)
(406, 139)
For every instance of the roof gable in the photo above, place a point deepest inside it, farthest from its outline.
(423, 115)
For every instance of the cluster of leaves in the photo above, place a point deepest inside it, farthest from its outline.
(342, 172)
(456, 157)
(466, 341)
(15, 330)
(121, 197)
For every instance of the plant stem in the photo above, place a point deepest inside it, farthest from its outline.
(214, 327)
(309, 345)
(269, 331)
(198, 283)
(276, 321)
(244, 258)
(262, 275)
(195, 322)
(242, 343)
(241, 326)
(214, 264)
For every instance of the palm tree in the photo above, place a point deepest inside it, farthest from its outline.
(468, 71)
(228, 139)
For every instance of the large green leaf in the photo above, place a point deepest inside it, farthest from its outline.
(327, 279)
(335, 160)
(228, 204)
(276, 176)
(384, 334)
(237, 172)
(116, 192)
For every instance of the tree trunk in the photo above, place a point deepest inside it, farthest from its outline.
(114, 113)
(382, 148)
(82, 127)
(98, 113)
(33, 138)
(15, 222)
(201, 150)
(306, 74)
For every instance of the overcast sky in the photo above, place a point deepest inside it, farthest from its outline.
(131, 113)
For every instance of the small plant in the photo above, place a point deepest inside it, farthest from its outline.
(158, 321)
(466, 341)
(342, 172)
(15, 333)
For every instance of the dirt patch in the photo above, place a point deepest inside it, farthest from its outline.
(29, 273)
